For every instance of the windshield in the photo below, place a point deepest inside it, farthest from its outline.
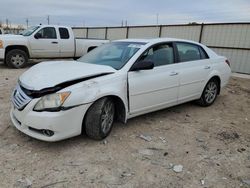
(115, 54)
(29, 31)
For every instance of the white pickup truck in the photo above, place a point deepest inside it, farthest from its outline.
(44, 41)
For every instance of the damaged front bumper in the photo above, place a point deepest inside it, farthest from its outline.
(49, 126)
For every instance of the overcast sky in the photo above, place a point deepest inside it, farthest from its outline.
(112, 12)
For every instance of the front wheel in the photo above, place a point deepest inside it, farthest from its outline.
(209, 94)
(100, 118)
(16, 58)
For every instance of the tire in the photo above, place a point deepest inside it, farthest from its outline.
(16, 58)
(99, 119)
(209, 93)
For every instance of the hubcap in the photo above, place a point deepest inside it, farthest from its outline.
(17, 60)
(107, 117)
(210, 92)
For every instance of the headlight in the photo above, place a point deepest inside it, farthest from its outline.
(1, 44)
(51, 102)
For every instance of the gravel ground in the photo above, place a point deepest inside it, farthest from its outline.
(188, 146)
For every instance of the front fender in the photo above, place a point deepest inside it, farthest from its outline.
(92, 90)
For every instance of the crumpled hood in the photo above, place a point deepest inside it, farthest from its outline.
(52, 73)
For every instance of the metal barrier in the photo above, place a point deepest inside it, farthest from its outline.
(228, 39)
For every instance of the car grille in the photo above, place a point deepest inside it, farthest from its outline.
(19, 98)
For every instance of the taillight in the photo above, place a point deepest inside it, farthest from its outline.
(227, 62)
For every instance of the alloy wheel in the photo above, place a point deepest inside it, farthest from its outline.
(17, 60)
(107, 117)
(211, 92)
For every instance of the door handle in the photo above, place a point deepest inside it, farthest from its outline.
(173, 73)
(54, 42)
(207, 67)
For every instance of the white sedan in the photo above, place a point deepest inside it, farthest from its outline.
(117, 81)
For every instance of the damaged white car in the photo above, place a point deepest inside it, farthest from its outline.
(117, 81)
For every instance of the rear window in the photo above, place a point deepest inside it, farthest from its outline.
(203, 53)
(190, 52)
(64, 33)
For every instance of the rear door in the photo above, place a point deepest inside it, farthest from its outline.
(194, 67)
(47, 43)
(157, 88)
(67, 42)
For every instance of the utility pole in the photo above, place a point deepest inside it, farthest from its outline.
(27, 22)
(7, 23)
(157, 19)
(126, 23)
(48, 19)
(122, 23)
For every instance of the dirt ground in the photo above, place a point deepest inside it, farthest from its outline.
(212, 144)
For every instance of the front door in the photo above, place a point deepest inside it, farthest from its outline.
(45, 44)
(157, 88)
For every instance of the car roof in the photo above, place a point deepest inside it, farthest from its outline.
(157, 40)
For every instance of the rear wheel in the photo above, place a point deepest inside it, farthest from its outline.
(16, 58)
(100, 118)
(210, 93)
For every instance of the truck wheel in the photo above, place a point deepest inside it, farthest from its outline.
(16, 58)
(100, 118)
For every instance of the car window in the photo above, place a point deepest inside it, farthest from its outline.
(47, 33)
(162, 54)
(114, 54)
(203, 53)
(29, 30)
(64, 33)
(189, 52)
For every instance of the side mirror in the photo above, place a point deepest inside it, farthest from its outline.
(38, 36)
(142, 65)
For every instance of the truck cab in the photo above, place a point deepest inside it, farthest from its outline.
(50, 41)
(44, 41)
